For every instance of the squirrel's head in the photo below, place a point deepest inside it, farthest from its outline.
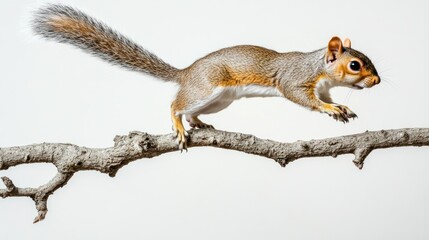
(349, 67)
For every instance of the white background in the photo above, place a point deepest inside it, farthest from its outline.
(52, 92)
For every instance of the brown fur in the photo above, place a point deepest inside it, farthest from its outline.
(105, 45)
(66, 24)
(238, 78)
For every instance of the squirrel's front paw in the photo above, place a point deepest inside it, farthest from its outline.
(339, 112)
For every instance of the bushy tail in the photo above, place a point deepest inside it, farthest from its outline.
(68, 25)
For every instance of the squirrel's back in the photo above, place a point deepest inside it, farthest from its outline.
(69, 25)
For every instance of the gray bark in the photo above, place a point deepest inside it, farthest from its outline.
(69, 158)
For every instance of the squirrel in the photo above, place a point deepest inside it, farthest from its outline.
(213, 82)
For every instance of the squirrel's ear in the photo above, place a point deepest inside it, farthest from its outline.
(335, 48)
(347, 43)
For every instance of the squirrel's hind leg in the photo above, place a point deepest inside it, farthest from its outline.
(195, 122)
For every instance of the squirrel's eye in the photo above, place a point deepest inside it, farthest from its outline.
(354, 66)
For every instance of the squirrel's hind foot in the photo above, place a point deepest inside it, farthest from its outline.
(195, 122)
(179, 131)
(182, 140)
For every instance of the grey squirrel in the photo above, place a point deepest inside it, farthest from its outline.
(213, 82)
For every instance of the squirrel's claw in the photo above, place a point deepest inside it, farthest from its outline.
(348, 113)
(201, 125)
(182, 140)
(181, 136)
(194, 122)
(339, 112)
(183, 146)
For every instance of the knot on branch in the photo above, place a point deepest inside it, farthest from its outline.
(121, 140)
(113, 168)
(147, 142)
(283, 161)
(404, 135)
(248, 139)
(304, 146)
(360, 155)
(143, 140)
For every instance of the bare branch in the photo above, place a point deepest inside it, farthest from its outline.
(69, 158)
(39, 195)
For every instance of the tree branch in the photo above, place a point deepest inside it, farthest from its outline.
(69, 158)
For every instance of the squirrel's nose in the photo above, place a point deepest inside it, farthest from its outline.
(376, 80)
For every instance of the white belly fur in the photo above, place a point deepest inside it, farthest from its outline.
(222, 97)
